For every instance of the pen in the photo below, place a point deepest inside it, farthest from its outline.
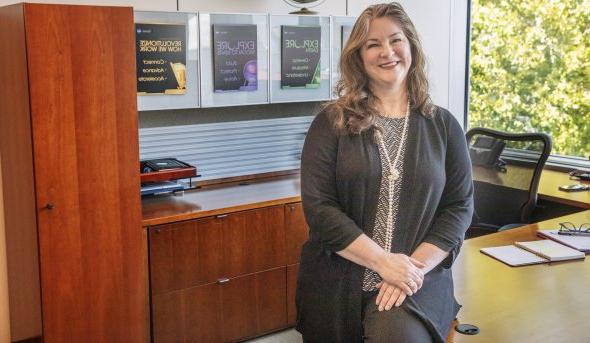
(581, 233)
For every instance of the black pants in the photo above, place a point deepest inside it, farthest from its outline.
(395, 325)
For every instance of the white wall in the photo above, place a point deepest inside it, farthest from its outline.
(458, 59)
(328, 7)
(441, 25)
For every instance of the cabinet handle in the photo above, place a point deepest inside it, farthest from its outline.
(49, 206)
(220, 216)
(222, 280)
(158, 230)
(292, 208)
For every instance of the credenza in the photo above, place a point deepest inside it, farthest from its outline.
(224, 268)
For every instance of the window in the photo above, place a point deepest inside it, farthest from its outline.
(530, 70)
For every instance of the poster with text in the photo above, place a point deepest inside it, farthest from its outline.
(161, 58)
(300, 56)
(234, 58)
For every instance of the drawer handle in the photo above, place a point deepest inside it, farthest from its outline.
(220, 216)
(222, 280)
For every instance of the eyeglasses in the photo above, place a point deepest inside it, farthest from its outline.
(568, 228)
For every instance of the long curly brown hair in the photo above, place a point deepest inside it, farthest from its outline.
(355, 109)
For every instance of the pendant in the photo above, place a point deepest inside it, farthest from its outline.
(394, 175)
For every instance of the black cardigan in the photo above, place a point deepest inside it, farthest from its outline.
(340, 180)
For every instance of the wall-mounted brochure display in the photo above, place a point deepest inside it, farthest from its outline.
(234, 59)
(161, 58)
(300, 58)
(167, 60)
(341, 28)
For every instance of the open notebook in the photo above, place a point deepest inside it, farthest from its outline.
(533, 252)
(581, 243)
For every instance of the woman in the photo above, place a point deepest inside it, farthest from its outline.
(387, 194)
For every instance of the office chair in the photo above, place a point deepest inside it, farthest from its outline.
(506, 172)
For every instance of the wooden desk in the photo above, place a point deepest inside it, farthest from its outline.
(538, 303)
(519, 177)
(548, 189)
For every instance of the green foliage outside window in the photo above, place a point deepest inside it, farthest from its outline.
(530, 69)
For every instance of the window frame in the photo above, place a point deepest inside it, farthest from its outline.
(555, 162)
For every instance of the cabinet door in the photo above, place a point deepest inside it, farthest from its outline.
(185, 254)
(292, 272)
(224, 311)
(253, 241)
(297, 231)
(202, 251)
(192, 315)
(84, 120)
(254, 304)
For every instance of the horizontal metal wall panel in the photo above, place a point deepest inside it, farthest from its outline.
(230, 149)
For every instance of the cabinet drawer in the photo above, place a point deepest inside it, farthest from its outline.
(185, 254)
(254, 304)
(297, 231)
(253, 241)
(237, 308)
(192, 315)
(202, 251)
(292, 272)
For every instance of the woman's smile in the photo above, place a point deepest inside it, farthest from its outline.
(389, 65)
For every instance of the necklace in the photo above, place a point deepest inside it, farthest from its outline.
(393, 174)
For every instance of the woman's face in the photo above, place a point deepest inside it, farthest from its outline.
(386, 54)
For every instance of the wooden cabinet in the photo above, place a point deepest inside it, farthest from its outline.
(68, 140)
(143, 5)
(222, 311)
(292, 271)
(297, 234)
(201, 251)
(225, 278)
(185, 254)
(297, 231)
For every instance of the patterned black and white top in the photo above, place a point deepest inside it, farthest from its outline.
(383, 235)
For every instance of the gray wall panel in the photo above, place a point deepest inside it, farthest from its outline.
(229, 149)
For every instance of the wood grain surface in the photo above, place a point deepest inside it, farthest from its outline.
(18, 181)
(245, 306)
(254, 304)
(292, 271)
(549, 189)
(191, 315)
(207, 202)
(538, 303)
(519, 177)
(297, 231)
(84, 120)
(185, 254)
(231, 197)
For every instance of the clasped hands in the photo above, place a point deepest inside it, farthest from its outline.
(402, 276)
